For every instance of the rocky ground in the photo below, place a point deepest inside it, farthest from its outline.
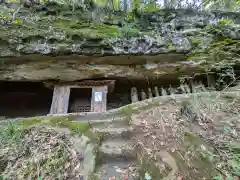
(194, 137)
(174, 137)
(198, 138)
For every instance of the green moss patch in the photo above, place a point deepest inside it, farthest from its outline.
(10, 134)
(76, 128)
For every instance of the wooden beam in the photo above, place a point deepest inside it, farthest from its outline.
(60, 100)
(88, 84)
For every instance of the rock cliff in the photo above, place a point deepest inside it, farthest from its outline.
(55, 41)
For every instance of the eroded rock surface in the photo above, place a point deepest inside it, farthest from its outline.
(55, 29)
(91, 42)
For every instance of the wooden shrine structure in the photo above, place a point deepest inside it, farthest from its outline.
(100, 88)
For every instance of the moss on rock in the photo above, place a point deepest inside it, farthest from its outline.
(61, 27)
(76, 128)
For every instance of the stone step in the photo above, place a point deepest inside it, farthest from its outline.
(115, 133)
(119, 169)
(94, 117)
(117, 149)
(99, 121)
(116, 123)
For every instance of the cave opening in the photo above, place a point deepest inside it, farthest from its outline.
(80, 100)
(120, 96)
(24, 99)
(30, 99)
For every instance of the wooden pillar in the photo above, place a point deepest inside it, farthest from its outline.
(211, 82)
(134, 94)
(143, 95)
(150, 93)
(156, 91)
(99, 99)
(60, 100)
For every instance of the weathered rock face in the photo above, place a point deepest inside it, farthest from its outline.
(84, 67)
(57, 30)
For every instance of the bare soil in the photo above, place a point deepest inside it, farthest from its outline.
(193, 137)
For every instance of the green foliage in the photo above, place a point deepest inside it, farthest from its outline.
(126, 110)
(76, 128)
(136, 4)
(100, 2)
(222, 53)
(219, 177)
(129, 30)
(225, 22)
(206, 3)
(31, 122)
(151, 8)
(195, 41)
(116, 4)
(234, 161)
(221, 4)
(170, 46)
(11, 133)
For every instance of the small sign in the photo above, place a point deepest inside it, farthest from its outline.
(98, 96)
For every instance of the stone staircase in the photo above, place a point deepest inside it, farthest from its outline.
(117, 150)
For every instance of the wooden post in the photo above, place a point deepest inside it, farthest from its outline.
(134, 94)
(143, 95)
(150, 93)
(156, 91)
(99, 99)
(60, 100)
(211, 82)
